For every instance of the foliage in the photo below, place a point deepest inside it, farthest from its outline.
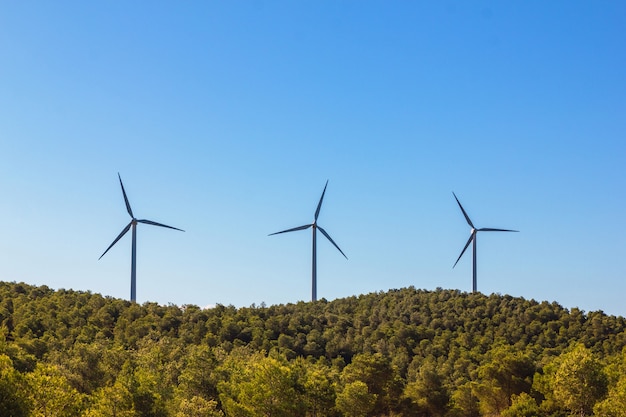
(428, 393)
(614, 405)
(263, 386)
(522, 405)
(355, 400)
(199, 407)
(50, 393)
(11, 383)
(508, 372)
(579, 382)
(403, 352)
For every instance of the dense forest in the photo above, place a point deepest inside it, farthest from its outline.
(404, 352)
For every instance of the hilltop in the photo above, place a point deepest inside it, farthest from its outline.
(403, 352)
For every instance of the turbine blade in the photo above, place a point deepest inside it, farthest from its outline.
(464, 213)
(319, 205)
(331, 241)
(116, 239)
(130, 211)
(464, 249)
(306, 226)
(158, 224)
(487, 229)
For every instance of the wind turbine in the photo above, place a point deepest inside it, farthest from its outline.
(315, 226)
(133, 225)
(472, 238)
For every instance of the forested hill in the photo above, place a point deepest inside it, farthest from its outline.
(403, 352)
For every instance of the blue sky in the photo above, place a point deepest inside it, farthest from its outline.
(226, 119)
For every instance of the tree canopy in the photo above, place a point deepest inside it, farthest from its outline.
(404, 352)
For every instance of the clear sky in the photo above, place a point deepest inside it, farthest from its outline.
(226, 118)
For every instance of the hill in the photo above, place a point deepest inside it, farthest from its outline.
(404, 352)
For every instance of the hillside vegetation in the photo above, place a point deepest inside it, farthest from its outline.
(403, 352)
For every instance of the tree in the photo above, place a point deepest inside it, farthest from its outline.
(260, 387)
(464, 401)
(428, 392)
(376, 372)
(506, 372)
(543, 384)
(12, 400)
(522, 405)
(615, 403)
(199, 407)
(270, 391)
(114, 401)
(355, 400)
(198, 376)
(51, 395)
(579, 382)
(315, 383)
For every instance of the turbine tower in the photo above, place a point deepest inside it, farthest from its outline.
(314, 226)
(472, 238)
(133, 225)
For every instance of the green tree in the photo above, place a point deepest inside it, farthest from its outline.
(522, 405)
(270, 391)
(355, 400)
(543, 383)
(114, 401)
(614, 405)
(148, 399)
(51, 395)
(464, 401)
(199, 407)
(505, 373)
(12, 387)
(198, 376)
(316, 385)
(376, 372)
(260, 387)
(83, 365)
(136, 389)
(428, 392)
(579, 382)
